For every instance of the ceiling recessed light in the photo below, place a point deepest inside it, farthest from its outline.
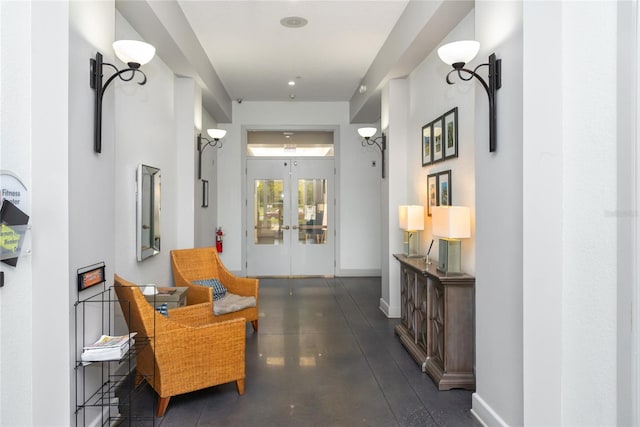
(293, 22)
(292, 83)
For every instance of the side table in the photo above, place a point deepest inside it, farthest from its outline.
(437, 322)
(172, 296)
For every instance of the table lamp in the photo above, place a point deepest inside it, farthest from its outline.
(450, 223)
(411, 218)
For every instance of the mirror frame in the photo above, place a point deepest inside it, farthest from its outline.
(152, 199)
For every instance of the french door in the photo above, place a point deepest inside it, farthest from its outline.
(290, 217)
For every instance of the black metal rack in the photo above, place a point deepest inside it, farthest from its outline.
(106, 391)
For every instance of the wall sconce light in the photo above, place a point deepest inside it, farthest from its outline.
(380, 142)
(457, 54)
(132, 52)
(411, 220)
(450, 223)
(217, 135)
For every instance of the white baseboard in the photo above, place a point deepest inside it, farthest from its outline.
(390, 312)
(484, 414)
(357, 272)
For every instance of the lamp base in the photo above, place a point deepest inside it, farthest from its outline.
(449, 256)
(412, 249)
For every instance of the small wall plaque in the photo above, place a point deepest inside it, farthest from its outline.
(90, 276)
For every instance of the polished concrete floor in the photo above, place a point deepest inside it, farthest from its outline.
(325, 355)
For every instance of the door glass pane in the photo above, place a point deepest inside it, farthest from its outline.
(312, 209)
(268, 214)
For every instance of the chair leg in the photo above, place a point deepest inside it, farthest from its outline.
(240, 385)
(163, 402)
(254, 323)
(139, 379)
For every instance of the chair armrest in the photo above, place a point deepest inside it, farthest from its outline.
(198, 294)
(193, 315)
(239, 285)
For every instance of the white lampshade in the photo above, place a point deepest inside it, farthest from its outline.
(411, 217)
(134, 51)
(462, 51)
(216, 133)
(452, 222)
(367, 132)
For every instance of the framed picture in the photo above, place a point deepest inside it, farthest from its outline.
(444, 188)
(432, 192)
(451, 134)
(426, 145)
(90, 276)
(205, 193)
(436, 134)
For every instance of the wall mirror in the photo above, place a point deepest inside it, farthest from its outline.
(147, 211)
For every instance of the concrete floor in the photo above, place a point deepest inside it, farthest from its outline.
(325, 355)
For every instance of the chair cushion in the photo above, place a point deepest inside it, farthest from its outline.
(232, 302)
(219, 290)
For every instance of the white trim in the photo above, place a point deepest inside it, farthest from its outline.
(635, 306)
(351, 272)
(389, 311)
(483, 413)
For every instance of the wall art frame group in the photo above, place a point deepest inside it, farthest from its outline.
(439, 190)
(440, 138)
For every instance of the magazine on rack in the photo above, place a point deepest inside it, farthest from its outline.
(108, 348)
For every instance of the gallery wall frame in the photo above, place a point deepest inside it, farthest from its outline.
(450, 126)
(439, 190)
(445, 190)
(427, 157)
(439, 138)
(432, 192)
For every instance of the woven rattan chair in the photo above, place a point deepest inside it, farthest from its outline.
(203, 263)
(189, 350)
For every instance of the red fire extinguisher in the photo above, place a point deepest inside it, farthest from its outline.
(219, 239)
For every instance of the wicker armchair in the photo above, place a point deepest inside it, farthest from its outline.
(203, 263)
(190, 350)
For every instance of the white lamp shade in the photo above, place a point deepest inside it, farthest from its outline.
(411, 217)
(367, 132)
(462, 51)
(216, 133)
(452, 222)
(134, 51)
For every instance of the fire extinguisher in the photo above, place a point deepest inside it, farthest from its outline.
(219, 235)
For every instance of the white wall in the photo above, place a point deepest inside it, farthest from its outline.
(358, 220)
(16, 297)
(144, 134)
(589, 172)
(542, 95)
(498, 27)
(206, 218)
(394, 120)
(431, 97)
(185, 98)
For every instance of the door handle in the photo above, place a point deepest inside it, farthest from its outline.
(286, 227)
(295, 227)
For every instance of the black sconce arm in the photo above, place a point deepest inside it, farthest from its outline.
(95, 81)
(120, 73)
(381, 143)
(495, 82)
(209, 143)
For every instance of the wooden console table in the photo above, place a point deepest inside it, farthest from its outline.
(437, 322)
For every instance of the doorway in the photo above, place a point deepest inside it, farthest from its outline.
(290, 217)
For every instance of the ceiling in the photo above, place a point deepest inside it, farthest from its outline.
(348, 51)
(255, 56)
